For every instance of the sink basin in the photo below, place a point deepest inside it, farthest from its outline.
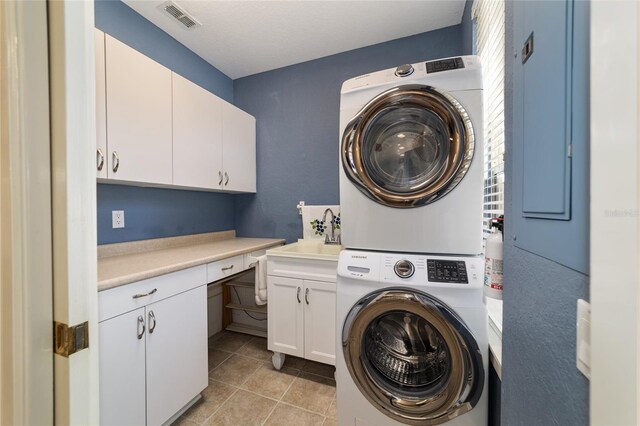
(308, 250)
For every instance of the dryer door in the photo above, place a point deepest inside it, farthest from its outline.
(408, 147)
(412, 357)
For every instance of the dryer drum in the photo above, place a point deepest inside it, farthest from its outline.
(412, 357)
(408, 147)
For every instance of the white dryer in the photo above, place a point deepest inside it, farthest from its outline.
(412, 340)
(411, 158)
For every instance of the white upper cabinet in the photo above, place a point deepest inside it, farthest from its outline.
(239, 149)
(102, 163)
(139, 120)
(156, 127)
(197, 136)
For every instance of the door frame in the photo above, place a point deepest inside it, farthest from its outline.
(48, 245)
(615, 219)
(26, 349)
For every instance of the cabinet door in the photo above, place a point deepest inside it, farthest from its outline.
(122, 369)
(139, 116)
(320, 321)
(176, 353)
(102, 163)
(197, 135)
(285, 315)
(239, 149)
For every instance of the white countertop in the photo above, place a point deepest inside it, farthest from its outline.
(494, 329)
(125, 263)
(305, 249)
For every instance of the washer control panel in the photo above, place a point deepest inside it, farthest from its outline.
(404, 269)
(447, 271)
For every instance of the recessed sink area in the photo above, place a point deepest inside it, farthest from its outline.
(308, 250)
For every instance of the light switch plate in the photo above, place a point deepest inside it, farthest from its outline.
(117, 219)
(583, 338)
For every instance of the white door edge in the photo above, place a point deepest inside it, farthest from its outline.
(615, 219)
(73, 142)
(26, 347)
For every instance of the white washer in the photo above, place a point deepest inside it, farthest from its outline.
(411, 158)
(412, 340)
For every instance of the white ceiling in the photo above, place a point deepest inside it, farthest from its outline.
(242, 38)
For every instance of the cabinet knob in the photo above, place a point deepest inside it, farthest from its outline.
(226, 178)
(140, 323)
(139, 295)
(115, 162)
(152, 325)
(220, 176)
(99, 159)
(306, 296)
(298, 295)
(227, 268)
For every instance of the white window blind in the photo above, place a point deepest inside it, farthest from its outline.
(489, 38)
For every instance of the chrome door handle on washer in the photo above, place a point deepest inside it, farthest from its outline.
(100, 159)
(226, 175)
(306, 296)
(115, 161)
(298, 295)
(220, 176)
(152, 326)
(140, 322)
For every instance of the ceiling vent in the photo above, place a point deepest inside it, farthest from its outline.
(180, 15)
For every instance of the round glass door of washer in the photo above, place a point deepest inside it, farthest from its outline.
(408, 147)
(412, 357)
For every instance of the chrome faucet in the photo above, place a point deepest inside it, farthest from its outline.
(332, 239)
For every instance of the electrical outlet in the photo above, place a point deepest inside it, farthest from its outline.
(117, 219)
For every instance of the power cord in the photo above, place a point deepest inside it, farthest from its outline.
(240, 302)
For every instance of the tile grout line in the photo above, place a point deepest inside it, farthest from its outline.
(282, 396)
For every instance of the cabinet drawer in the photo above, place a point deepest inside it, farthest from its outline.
(224, 268)
(119, 300)
(318, 270)
(251, 259)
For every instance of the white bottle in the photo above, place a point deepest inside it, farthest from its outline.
(493, 264)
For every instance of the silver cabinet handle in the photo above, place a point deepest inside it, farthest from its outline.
(227, 178)
(140, 323)
(152, 326)
(139, 295)
(115, 161)
(99, 159)
(220, 176)
(227, 268)
(306, 296)
(298, 294)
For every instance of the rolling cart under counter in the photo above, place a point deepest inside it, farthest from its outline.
(153, 321)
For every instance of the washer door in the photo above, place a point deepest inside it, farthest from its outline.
(408, 147)
(412, 357)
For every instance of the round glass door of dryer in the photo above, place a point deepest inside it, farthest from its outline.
(408, 147)
(412, 357)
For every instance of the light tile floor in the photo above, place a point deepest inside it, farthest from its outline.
(244, 388)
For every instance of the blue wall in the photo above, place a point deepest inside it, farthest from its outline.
(467, 29)
(540, 382)
(156, 213)
(297, 113)
(149, 212)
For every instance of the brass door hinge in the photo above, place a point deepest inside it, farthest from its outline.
(69, 340)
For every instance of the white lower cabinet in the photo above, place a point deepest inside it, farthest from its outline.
(122, 370)
(302, 312)
(176, 353)
(153, 359)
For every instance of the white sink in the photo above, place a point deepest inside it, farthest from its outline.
(308, 250)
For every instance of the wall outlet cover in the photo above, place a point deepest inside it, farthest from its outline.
(117, 219)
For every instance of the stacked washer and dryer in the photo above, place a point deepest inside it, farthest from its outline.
(411, 321)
